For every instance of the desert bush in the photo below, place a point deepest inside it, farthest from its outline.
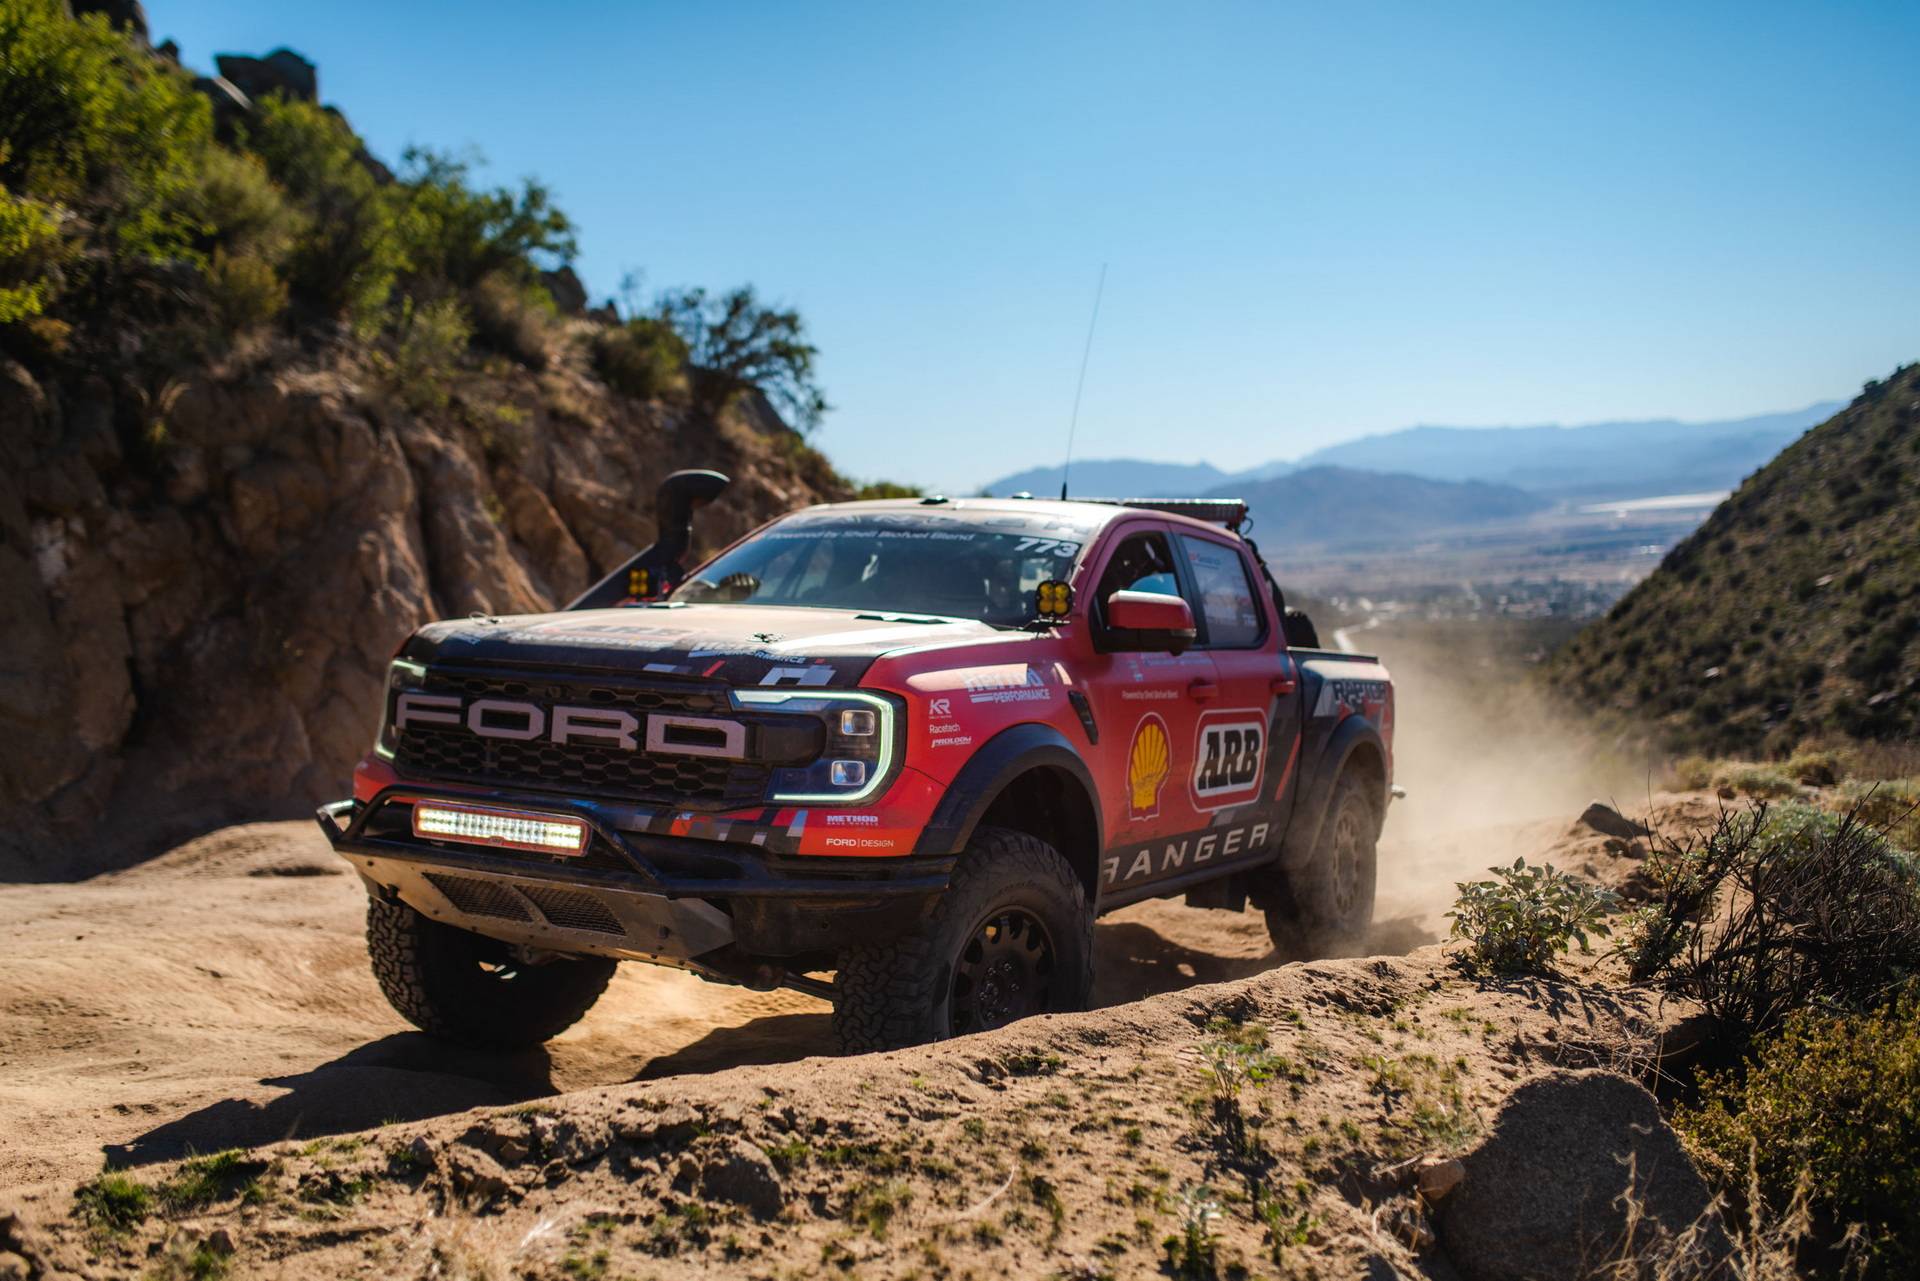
(1831, 1104)
(30, 248)
(428, 341)
(457, 236)
(89, 121)
(242, 210)
(513, 317)
(350, 251)
(1693, 773)
(645, 358)
(1767, 781)
(885, 489)
(243, 292)
(1523, 918)
(1814, 767)
(1776, 909)
(734, 343)
(1891, 806)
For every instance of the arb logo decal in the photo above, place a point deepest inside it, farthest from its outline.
(1227, 758)
(1149, 761)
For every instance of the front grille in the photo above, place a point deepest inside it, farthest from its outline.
(452, 752)
(573, 910)
(480, 898)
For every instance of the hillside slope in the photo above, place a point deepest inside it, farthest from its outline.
(1794, 611)
(265, 406)
(1341, 507)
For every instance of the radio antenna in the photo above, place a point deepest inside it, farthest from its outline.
(1066, 468)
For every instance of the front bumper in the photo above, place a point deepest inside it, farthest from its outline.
(671, 900)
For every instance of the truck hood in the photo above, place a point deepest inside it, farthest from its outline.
(738, 644)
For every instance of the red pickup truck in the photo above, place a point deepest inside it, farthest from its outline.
(918, 744)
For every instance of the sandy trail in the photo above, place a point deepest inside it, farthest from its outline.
(219, 995)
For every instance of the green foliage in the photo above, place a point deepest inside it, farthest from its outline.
(457, 235)
(89, 121)
(30, 245)
(428, 341)
(644, 358)
(1191, 1252)
(886, 489)
(243, 292)
(1777, 909)
(515, 317)
(1890, 806)
(1519, 921)
(1834, 1098)
(734, 343)
(1236, 1056)
(242, 210)
(114, 1203)
(351, 250)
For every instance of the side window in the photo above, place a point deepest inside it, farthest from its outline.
(1143, 563)
(1228, 600)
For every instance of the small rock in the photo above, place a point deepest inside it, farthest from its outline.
(672, 1124)
(475, 1174)
(421, 1151)
(512, 1151)
(1608, 821)
(1725, 792)
(1436, 1176)
(743, 1174)
(219, 1241)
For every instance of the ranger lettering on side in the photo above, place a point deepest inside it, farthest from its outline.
(918, 745)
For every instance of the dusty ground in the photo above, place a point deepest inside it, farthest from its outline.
(219, 997)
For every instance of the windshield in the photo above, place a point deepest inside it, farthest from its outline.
(984, 568)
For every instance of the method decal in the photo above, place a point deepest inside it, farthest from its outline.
(1149, 761)
(1227, 758)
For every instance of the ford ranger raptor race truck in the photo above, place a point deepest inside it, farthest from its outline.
(918, 744)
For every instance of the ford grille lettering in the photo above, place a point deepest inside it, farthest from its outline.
(589, 726)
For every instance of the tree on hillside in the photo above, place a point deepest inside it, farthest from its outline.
(734, 343)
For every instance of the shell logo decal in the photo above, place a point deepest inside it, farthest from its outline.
(1149, 762)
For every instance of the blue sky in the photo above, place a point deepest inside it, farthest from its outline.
(1320, 220)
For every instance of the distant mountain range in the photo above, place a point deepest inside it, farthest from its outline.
(1599, 460)
(1341, 506)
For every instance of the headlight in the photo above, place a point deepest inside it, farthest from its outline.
(401, 675)
(858, 758)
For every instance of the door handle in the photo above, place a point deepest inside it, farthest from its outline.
(1284, 685)
(1203, 690)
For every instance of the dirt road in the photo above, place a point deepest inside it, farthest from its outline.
(219, 995)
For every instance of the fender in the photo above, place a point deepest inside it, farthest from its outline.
(1000, 760)
(1310, 811)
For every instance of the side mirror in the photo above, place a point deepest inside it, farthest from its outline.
(1149, 622)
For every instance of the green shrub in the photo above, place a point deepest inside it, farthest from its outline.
(644, 358)
(242, 210)
(1890, 806)
(734, 343)
(1519, 921)
(90, 121)
(1777, 909)
(428, 342)
(514, 317)
(457, 236)
(1766, 781)
(30, 248)
(243, 292)
(350, 251)
(1814, 767)
(886, 489)
(1837, 1099)
(114, 1202)
(1693, 773)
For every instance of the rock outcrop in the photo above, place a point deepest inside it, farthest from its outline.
(201, 584)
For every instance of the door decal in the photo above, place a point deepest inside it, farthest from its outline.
(1149, 761)
(1228, 756)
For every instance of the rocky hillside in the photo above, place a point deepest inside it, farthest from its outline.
(266, 407)
(1794, 611)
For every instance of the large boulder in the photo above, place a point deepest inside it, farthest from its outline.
(282, 71)
(1580, 1168)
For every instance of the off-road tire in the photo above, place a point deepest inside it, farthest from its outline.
(438, 978)
(902, 992)
(1332, 896)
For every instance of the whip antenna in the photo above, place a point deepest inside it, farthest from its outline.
(1066, 468)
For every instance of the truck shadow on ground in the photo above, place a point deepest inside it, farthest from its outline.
(410, 1076)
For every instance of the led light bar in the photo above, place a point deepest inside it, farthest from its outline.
(503, 829)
